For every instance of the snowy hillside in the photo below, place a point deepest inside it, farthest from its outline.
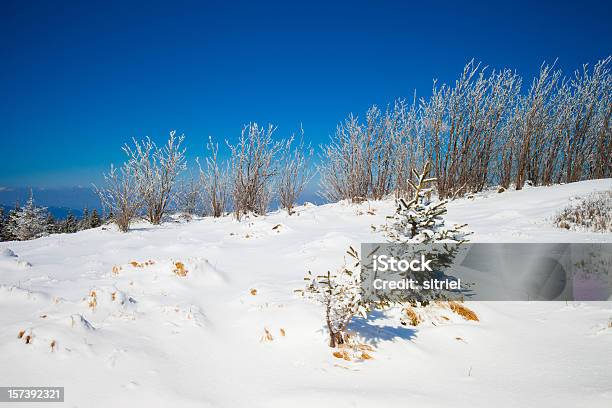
(111, 317)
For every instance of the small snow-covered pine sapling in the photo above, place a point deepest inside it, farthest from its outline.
(420, 220)
(340, 294)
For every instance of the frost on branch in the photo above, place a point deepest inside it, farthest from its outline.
(340, 294)
(295, 171)
(121, 195)
(420, 220)
(591, 213)
(156, 169)
(215, 178)
(253, 169)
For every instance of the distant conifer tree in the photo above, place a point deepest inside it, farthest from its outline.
(10, 223)
(95, 221)
(85, 222)
(29, 221)
(51, 223)
(3, 224)
(70, 224)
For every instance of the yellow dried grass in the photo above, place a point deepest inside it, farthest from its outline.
(179, 269)
(463, 311)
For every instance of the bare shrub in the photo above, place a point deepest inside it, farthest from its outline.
(121, 195)
(371, 159)
(405, 131)
(340, 294)
(461, 124)
(344, 164)
(188, 196)
(593, 213)
(295, 171)
(253, 169)
(478, 131)
(535, 115)
(156, 169)
(215, 181)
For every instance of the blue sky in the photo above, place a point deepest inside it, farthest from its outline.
(78, 79)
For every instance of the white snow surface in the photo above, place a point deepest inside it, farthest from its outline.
(156, 339)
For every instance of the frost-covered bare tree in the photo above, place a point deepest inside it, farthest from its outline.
(188, 196)
(295, 171)
(602, 158)
(366, 160)
(476, 132)
(535, 116)
(121, 196)
(156, 169)
(404, 131)
(462, 124)
(215, 181)
(589, 138)
(253, 169)
(344, 163)
(561, 129)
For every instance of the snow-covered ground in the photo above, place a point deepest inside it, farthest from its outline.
(126, 335)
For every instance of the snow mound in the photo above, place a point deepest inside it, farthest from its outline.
(7, 253)
(198, 314)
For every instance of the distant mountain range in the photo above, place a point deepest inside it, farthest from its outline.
(57, 212)
(59, 201)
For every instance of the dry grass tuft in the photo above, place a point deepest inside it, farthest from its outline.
(28, 339)
(137, 264)
(20, 334)
(412, 317)
(366, 356)
(352, 349)
(53, 345)
(116, 270)
(267, 336)
(343, 354)
(93, 300)
(179, 269)
(253, 292)
(282, 332)
(463, 311)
